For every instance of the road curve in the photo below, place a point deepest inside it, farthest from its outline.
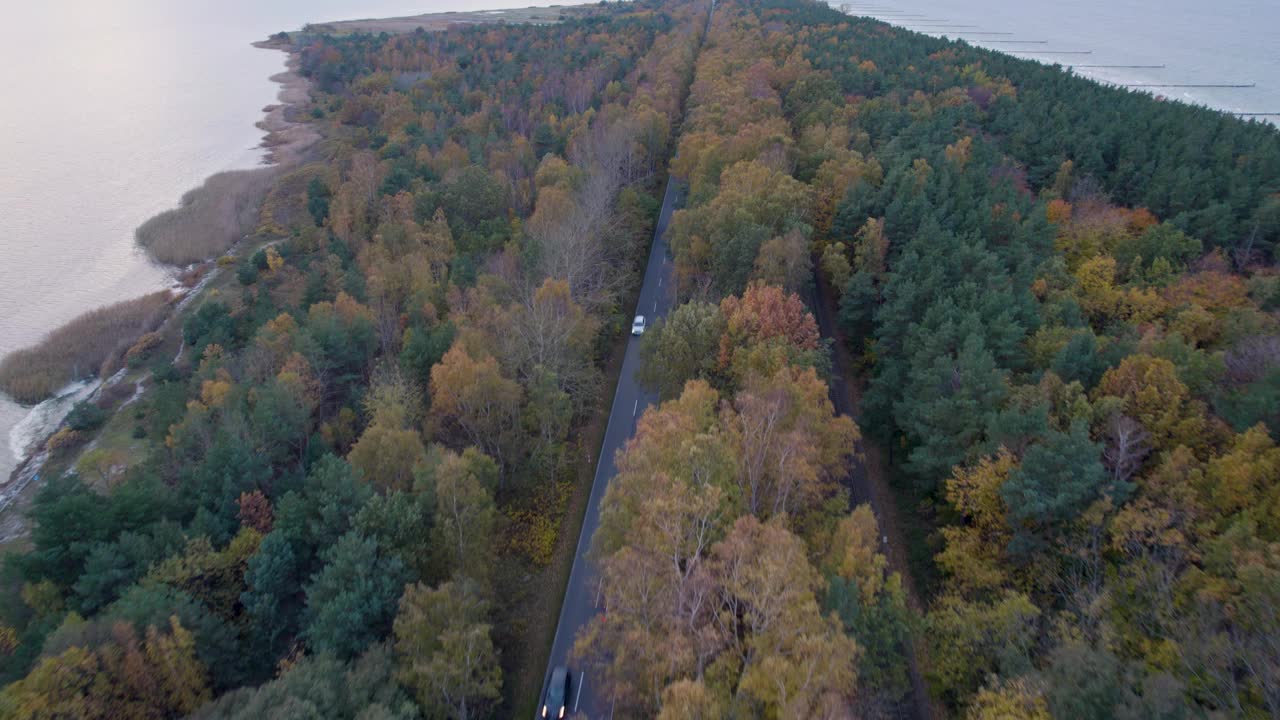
(657, 294)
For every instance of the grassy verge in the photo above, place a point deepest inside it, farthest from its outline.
(542, 611)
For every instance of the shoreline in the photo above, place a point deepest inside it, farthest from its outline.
(285, 143)
(287, 138)
(213, 217)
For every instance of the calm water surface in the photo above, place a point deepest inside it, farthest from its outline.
(112, 110)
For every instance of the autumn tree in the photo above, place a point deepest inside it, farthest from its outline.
(125, 677)
(765, 329)
(682, 346)
(255, 511)
(834, 264)
(680, 441)
(1126, 447)
(215, 577)
(465, 517)
(444, 649)
(1246, 476)
(407, 267)
(574, 215)
(975, 554)
(551, 333)
(784, 261)
(471, 396)
(748, 607)
(386, 456)
(790, 443)
(690, 700)
(792, 656)
(870, 601)
(871, 248)
(971, 640)
(1149, 391)
(1020, 697)
(718, 243)
(390, 447)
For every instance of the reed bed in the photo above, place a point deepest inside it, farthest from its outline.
(85, 346)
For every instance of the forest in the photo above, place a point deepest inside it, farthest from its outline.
(355, 472)
(1057, 314)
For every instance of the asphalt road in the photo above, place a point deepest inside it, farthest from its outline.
(657, 294)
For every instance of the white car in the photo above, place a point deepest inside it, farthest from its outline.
(637, 325)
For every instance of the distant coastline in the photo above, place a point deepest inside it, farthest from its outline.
(432, 22)
(1194, 56)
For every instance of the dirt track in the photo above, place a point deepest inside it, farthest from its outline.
(867, 478)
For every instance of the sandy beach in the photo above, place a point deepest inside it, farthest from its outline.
(288, 136)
